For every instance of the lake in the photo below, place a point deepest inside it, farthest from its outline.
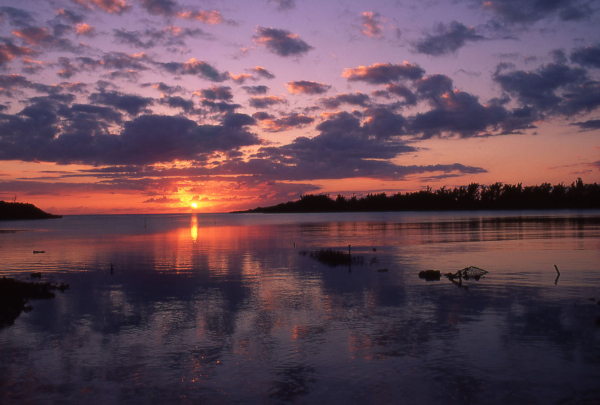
(232, 309)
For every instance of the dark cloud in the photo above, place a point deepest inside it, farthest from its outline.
(399, 90)
(262, 72)
(16, 16)
(357, 98)
(67, 69)
(162, 200)
(219, 107)
(265, 101)
(343, 149)
(446, 39)
(196, 68)
(381, 73)
(281, 42)
(382, 123)
(49, 129)
(588, 56)
(114, 61)
(178, 102)
(371, 24)
(262, 115)
(541, 88)
(284, 4)
(527, 11)
(216, 93)
(587, 125)
(149, 38)
(10, 85)
(110, 6)
(9, 51)
(458, 113)
(164, 88)
(434, 86)
(41, 38)
(69, 16)
(160, 7)
(256, 90)
(132, 104)
(284, 123)
(307, 87)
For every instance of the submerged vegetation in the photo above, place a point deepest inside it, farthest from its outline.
(17, 211)
(15, 294)
(334, 258)
(497, 196)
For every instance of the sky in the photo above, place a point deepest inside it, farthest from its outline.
(153, 106)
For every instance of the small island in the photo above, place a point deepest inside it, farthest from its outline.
(12, 211)
(473, 197)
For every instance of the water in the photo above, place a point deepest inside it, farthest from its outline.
(223, 309)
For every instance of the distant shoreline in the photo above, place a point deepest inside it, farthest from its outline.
(14, 211)
(474, 197)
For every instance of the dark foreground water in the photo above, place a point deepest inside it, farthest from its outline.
(223, 309)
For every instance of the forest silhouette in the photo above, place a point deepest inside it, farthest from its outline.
(497, 196)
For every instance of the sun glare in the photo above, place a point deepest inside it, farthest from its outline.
(194, 205)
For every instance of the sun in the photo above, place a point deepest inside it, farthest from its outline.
(194, 205)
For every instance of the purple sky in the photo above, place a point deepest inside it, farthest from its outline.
(150, 105)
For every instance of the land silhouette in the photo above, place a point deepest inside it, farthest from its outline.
(497, 196)
(17, 211)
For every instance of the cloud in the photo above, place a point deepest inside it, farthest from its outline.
(446, 39)
(544, 87)
(527, 11)
(343, 149)
(371, 24)
(458, 113)
(284, 4)
(50, 129)
(160, 7)
(588, 125)
(211, 17)
(9, 51)
(265, 101)
(132, 104)
(164, 88)
(219, 107)
(178, 102)
(262, 72)
(16, 16)
(588, 56)
(195, 67)
(284, 123)
(85, 30)
(381, 73)
(149, 38)
(434, 86)
(357, 98)
(69, 15)
(256, 90)
(307, 87)
(399, 90)
(216, 93)
(162, 200)
(110, 6)
(281, 42)
(383, 123)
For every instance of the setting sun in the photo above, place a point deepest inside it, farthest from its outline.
(194, 205)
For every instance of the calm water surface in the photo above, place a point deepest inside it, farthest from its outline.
(224, 309)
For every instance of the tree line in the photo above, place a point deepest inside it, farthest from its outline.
(496, 196)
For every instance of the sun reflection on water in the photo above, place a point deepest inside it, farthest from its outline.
(194, 227)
